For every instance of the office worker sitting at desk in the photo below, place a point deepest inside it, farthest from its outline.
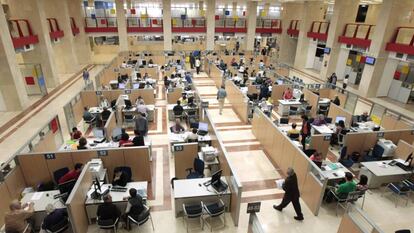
(293, 133)
(55, 218)
(87, 116)
(193, 136)
(107, 212)
(320, 120)
(183, 99)
(138, 140)
(71, 175)
(288, 95)
(82, 144)
(178, 109)
(16, 219)
(124, 139)
(75, 134)
(365, 117)
(316, 157)
(177, 127)
(120, 178)
(345, 188)
(134, 207)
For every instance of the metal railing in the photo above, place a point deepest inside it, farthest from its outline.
(231, 22)
(268, 23)
(148, 22)
(357, 30)
(188, 22)
(101, 22)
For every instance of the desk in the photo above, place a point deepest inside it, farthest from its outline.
(41, 200)
(133, 111)
(333, 174)
(91, 205)
(193, 191)
(379, 172)
(284, 106)
(324, 101)
(322, 129)
(178, 138)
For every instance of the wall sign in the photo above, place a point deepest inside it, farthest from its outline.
(50, 156)
(178, 147)
(127, 92)
(327, 137)
(204, 104)
(102, 153)
(253, 207)
(381, 134)
(98, 92)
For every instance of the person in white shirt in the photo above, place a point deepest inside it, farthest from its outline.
(193, 136)
(104, 103)
(124, 64)
(198, 65)
(142, 108)
(261, 64)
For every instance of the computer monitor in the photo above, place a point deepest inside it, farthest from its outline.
(98, 132)
(216, 177)
(116, 133)
(318, 163)
(128, 104)
(203, 126)
(121, 85)
(340, 118)
(135, 86)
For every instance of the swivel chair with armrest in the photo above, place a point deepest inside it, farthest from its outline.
(374, 154)
(344, 158)
(59, 173)
(198, 171)
(127, 171)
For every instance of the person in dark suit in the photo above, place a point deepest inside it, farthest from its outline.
(54, 217)
(291, 194)
(107, 212)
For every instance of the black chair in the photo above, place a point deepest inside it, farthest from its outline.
(141, 218)
(344, 158)
(198, 169)
(127, 171)
(193, 211)
(293, 110)
(374, 154)
(307, 109)
(328, 120)
(192, 140)
(107, 224)
(59, 173)
(59, 227)
(294, 136)
(214, 210)
(323, 109)
(284, 120)
(309, 152)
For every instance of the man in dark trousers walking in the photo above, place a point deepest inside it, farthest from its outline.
(291, 194)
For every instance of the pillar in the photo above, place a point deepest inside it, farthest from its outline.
(128, 4)
(122, 25)
(65, 54)
(13, 96)
(288, 45)
(211, 22)
(43, 52)
(311, 11)
(81, 40)
(251, 25)
(344, 12)
(234, 10)
(201, 5)
(167, 28)
(393, 14)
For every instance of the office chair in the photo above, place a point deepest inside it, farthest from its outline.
(59, 227)
(141, 218)
(284, 120)
(344, 158)
(341, 139)
(307, 109)
(400, 190)
(323, 110)
(193, 211)
(309, 152)
(127, 171)
(293, 110)
(214, 210)
(107, 224)
(374, 154)
(198, 169)
(294, 136)
(59, 173)
(129, 119)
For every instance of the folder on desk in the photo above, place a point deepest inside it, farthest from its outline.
(333, 166)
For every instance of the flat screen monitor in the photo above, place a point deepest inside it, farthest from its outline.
(215, 178)
(370, 60)
(116, 132)
(121, 85)
(135, 86)
(340, 118)
(279, 82)
(128, 104)
(327, 50)
(409, 159)
(98, 132)
(203, 126)
(98, 185)
(144, 62)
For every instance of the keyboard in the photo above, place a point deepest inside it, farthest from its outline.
(118, 189)
(402, 166)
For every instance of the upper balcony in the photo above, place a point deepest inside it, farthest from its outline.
(101, 24)
(268, 26)
(21, 33)
(189, 25)
(147, 24)
(54, 29)
(402, 41)
(319, 30)
(74, 27)
(293, 29)
(357, 34)
(230, 25)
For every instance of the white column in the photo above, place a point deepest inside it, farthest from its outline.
(210, 17)
(234, 11)
(251, 25)
(122, 26)
(166, 11)
(13, 94)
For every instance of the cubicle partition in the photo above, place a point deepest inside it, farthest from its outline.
(216, 75)
(184, 158)
(285, 153)
(335, 111)
(321, 143)
(277, 92)
(233, 181)
(38, 168)
(110, 125)
(313, 100)
(391, 122)
(356, 221)
(331, 93)
(238, 100)
(175, 95)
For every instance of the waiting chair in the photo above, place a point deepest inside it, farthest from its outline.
(294, 136)
(328, 120)
(344, 158)
(214, 210)
(323, 110)
(129, 119)
(193, 211)
(343, 201)
(59, 227)
(198, 169)
(293, 110)
(341, 139)
(399, 190)
(374, 154)
(127, 171)
(107, 224)
(59, 173)
(306, 110)
(142, 218)
(284, 121)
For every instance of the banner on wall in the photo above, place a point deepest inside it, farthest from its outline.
(349, 62)
(358, 58)
(226, 13)
(397, 75)
(202, 13)
(54, 125)
(236, 18)
(133, 12)
(263, 13)
(405, 69)
(113, 11)
(29, 80)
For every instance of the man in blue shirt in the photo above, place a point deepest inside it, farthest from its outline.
(85, 76)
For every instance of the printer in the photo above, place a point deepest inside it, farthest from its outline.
(388, 146)
(209, 153)
(96, 168)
